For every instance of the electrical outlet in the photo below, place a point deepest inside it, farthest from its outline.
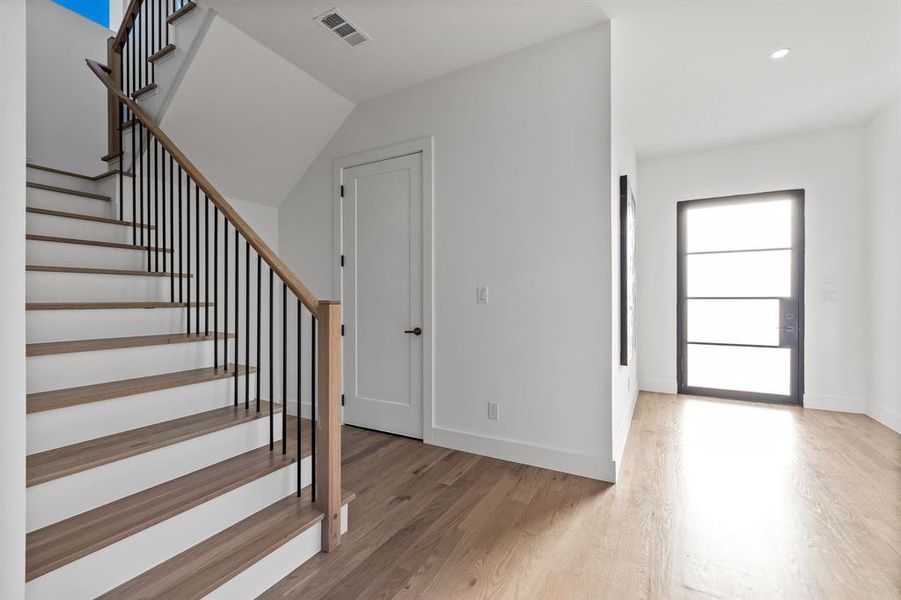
(482, 294)
(492, 411)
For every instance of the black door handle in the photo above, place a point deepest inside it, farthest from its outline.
(416, 331)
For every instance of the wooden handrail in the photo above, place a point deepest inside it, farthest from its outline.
(128, 21)
(277, 265)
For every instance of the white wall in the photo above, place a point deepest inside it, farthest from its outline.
(624, 380)
(12, 298)
(286, 116)
(66, 102)
(522, 171)
(829, 166)
(884, 236)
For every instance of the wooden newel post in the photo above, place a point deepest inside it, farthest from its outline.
(328, 433)
(114, 62)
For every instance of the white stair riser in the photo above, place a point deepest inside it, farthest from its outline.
(73, 424)
(80, 255)
(60, 325)
(275, 566)
(65, 181)
(36, 198)
(111, 566)
(48, 286)
(68, 496)
(77, 228)
(71, 369)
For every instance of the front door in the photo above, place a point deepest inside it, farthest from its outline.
(741, 297)
(382, 289)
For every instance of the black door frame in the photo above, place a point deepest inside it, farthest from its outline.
(797, 300)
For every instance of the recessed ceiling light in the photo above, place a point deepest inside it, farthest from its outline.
(780, 53)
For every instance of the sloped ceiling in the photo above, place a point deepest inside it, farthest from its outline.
(412, 41)
(250, 120)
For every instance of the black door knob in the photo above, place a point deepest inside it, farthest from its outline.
(416, 331)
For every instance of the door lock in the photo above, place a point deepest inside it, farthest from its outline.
(416, 331)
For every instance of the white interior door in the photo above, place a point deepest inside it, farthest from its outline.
(382, 283)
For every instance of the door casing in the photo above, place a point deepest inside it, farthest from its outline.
(797, 384)
(425, 146)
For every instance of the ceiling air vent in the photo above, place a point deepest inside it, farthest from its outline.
(338, 24)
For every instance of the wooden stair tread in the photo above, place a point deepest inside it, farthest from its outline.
(201, 569)
(66, 541)
(60, 462)
(85, 394)
(98, 271)
(175, 16)
(64, 240)
(144, 90)
(61, 190)
(161, 53)
(110, 305)
(82, 217)
(45, 348)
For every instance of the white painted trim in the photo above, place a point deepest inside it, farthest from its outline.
(887, 416)
(575, 463)
(306, 409)
(847, 404)
(425, 146)
(622, 436)
(660, 386)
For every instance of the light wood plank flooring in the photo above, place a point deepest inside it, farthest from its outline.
(716, 499)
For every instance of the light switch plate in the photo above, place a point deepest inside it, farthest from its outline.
(482, 294)
(492, 411)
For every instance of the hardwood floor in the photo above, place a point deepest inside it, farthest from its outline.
(716, 499)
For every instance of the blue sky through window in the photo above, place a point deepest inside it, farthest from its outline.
(95, 10)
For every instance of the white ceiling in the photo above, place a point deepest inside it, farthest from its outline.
(698, 74)
(412, 41)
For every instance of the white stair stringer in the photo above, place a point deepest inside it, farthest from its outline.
(68, 496)
(115, 564)
(60, 427)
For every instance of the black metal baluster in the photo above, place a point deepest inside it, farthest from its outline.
(181, 277)
(284, 368)
(247, 318)
(259, 312)
(134, 182)
(216, 286)
(121, 114)
(156, 205)
(225, 296)
(197, 257)
(238, 317)
(171, 229)
(271, 369)
(161, 222)
(206, 268)
(313, 402)
(188, 249)
(299, 438)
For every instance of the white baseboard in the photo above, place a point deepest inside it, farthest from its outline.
(622, 435)
(661, 386)
(889, 417)
(585, 465)
(835, 403)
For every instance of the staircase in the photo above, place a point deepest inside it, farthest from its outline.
(162, 462)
